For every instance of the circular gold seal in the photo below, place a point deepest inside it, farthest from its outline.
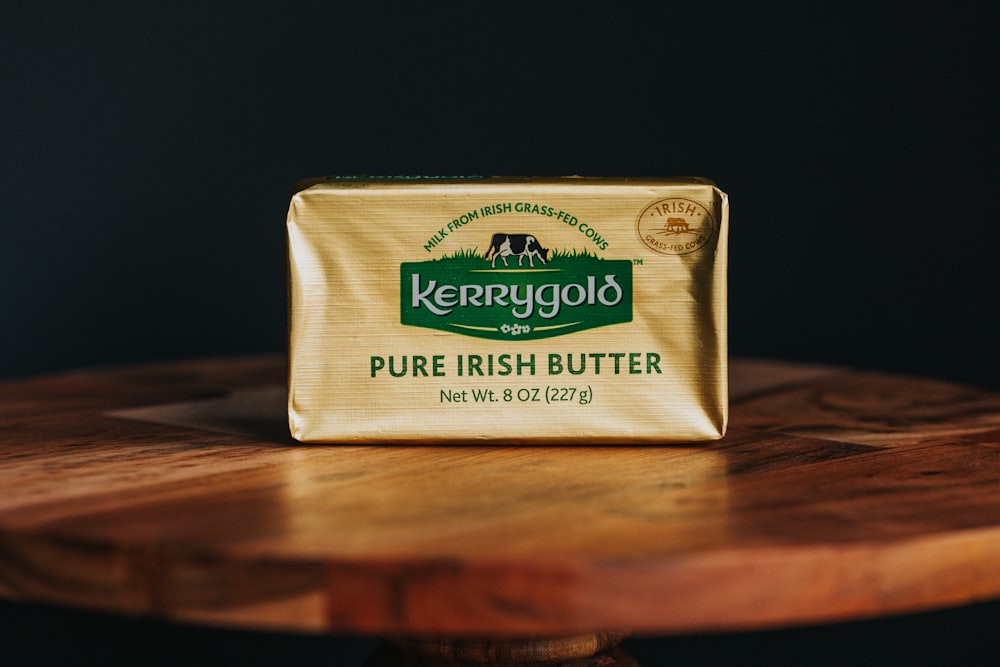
(675, 226)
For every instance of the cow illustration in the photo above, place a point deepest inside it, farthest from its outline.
(519, 245)
(677, 225)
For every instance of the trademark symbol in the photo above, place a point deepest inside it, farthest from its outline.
(637, 262)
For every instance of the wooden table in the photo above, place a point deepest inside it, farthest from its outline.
(174, 490)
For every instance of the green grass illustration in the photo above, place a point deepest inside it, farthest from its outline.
(462, 253)
(573, 253)
(471, 258)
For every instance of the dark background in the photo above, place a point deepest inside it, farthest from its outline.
(147, 153)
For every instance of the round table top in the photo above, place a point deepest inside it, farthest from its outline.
(175, 490)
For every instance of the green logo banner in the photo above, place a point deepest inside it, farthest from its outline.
(466, 295)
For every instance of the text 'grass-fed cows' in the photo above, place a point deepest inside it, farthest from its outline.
(517, 245)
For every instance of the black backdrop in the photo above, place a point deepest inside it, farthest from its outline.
(148, 150)
(148, 153)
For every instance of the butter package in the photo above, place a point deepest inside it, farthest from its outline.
(507, 310)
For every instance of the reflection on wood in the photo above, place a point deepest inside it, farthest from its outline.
(173, 490)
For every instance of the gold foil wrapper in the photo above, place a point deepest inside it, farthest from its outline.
(507, 310)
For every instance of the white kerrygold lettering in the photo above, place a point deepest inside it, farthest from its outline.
(552, 302)
(528, 301)
(580, 292)
(609, 283)
(548, 298)
(495, 294)
(445, 296)
(421, 297)
(470, 294)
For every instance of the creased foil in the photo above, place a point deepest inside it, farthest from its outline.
(507, 310)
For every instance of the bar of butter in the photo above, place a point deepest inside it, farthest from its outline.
(507, 310)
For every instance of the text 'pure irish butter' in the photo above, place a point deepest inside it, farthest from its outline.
(507, 310)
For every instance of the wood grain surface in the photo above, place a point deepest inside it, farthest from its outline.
(174, 490)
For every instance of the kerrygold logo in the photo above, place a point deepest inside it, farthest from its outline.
(565, 293)
(550, 297)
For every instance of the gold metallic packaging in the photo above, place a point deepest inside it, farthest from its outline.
(507, 310)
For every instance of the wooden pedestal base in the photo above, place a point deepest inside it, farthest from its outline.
(596, 649)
